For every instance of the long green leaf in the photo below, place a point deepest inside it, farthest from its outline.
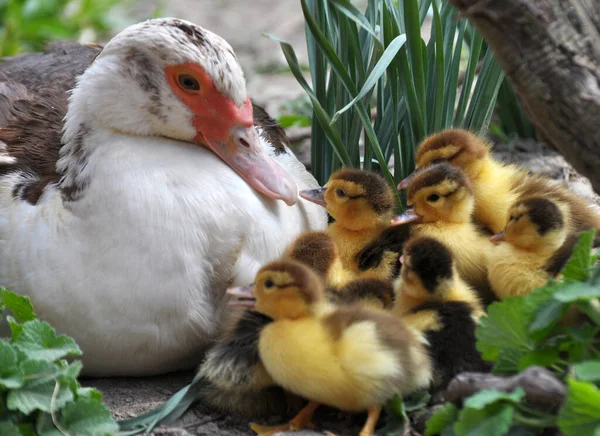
(388, 56)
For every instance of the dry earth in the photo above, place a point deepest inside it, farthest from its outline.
(242, 23)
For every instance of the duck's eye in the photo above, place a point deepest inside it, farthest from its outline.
(433, 198)
(269, 283)
(188, 82)
(437, 161)
(340, 192)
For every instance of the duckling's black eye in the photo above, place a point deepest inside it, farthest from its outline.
(433, 198)
(188, 82)
(340, 192)
(437, 161)
(269, 283)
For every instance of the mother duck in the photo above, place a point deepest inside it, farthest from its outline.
(161, 192)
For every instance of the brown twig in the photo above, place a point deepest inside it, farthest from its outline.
(541, 388)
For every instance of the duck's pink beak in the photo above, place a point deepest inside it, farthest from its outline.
(317, 196)
(243, 152)
(404, 183)
(243, 296)
(408, 216)
(498, 237)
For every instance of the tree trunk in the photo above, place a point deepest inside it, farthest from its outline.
(550, 51)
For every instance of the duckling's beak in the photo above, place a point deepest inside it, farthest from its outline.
(243, 296)
(315, 195)
(408, 216)
(404, 183)
(498, 237)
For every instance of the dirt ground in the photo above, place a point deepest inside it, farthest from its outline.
(242, 23)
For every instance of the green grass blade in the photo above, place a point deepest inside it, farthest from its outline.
(349, 10)
(388, 56)
(415, 52)
(438, 103)
(321, 114)
(474, 51)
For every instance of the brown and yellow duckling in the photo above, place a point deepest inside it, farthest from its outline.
(362, 204)
(431, 296)
(497, 186)
(441, 205)
(351, 358)
(525, 257)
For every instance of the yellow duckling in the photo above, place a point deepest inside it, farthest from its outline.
(497, 186)
(362, 204)
(442, 202)
(492, 181)
(534, 234)
(351, 358)
(431, 296)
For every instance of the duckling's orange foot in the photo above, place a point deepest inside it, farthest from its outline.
(263, 430)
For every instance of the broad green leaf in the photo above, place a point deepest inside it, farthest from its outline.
(540, 357)
(587, 371)
(572, 292)
(20, 306)
(548, 314)
(396, 417)
(87, 416)
(39, 342)
(494, 420)
(485, 397)
(11, 376)
(43, 389)
(580, 414)
(8, 428)
(581, 259)
(388, 56)
(506, 327)
(15, 327)
(417, 401)
(92, 393)
(442, 420)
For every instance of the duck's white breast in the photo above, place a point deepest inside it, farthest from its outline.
(136, 269)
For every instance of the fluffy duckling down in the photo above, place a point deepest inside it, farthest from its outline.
(431, 296)
(535, 232)
(362, 204)
(441, 204)
(492, 181)
(351, 358)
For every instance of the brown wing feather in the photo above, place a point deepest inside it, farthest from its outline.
(33, 102)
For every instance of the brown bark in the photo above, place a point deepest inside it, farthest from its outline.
(550, 51)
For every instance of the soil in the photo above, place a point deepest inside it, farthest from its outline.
(271, 85)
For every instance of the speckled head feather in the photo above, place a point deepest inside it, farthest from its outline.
(430, 260)
(314, 249)
(376, 190)
(436, 174)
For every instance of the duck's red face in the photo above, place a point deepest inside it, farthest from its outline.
(228, 130)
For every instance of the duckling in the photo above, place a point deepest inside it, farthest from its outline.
(497, 186)
(492, 181)
(536, 230)
(431, 296)
(361, 204)
(318, 250)
(351, 358)
(442, 201)
(368, 292)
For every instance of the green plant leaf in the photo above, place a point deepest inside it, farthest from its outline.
(578, 265)
(388, 56)
(15, 327)
(290, 120)
(485, 397)
(416, 401)
(493, 420)
(580, 414)
(506, 327)
(20, 306)
(441, 422)
(7, 428)
(38, 391)
(587, 371)
(540, 357)
(87, 416)
(39, 342)
(11, 376)
(548, 314)
(573, 292)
